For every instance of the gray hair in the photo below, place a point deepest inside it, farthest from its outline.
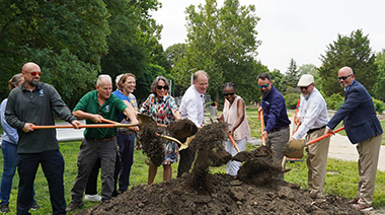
(103, 77)
(14, 81)
(156, 81)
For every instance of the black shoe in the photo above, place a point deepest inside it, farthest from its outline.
(4, 209)
(35, 206)
(74, 205)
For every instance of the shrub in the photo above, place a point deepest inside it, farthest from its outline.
(378, 105)
(291, 100)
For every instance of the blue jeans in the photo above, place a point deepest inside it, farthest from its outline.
(126, 148)
(9, 169)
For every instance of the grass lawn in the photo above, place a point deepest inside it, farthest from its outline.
(341, 179)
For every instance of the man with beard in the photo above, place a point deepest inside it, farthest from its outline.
(33, 103)
(313, 116)
(364, 129)
(277, 130)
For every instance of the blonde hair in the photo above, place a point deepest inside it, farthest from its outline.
(14, 81)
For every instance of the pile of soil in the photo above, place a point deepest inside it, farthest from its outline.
(253, 191)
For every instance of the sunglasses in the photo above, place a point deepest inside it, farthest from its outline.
(228, 94)
(34, 73)
(304, 88)
(263, 86)
(165, 87)
(344, 77)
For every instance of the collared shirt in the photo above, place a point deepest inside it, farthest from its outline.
(192, 106)
(109, 110)
(10, 134)
(313, 113)
(36, 106)
(274, 110)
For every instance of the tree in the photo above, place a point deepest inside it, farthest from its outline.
(353, 51)
(134, 36)
(66, 40)
(290, 80)
(221, 41)
(379, 85)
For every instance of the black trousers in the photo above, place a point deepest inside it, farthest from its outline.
(52, 163)
(186, 158)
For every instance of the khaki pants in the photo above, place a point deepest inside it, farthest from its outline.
(368, 151)
(276, 141)
(317, 155)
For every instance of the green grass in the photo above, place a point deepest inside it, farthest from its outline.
(342, 177)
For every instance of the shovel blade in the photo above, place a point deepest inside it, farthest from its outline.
(294, 149)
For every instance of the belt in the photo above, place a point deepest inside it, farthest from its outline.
(278, 129)
(126, 132)
(104, 139)
(315, 129)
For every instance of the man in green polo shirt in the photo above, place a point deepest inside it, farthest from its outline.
(98, 142)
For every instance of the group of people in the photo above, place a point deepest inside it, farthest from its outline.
(32, 102)
(359, 118)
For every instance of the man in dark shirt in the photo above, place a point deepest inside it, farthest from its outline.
(33, 103)
(277, 130)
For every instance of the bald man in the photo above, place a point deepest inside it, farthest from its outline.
(33, 103)
(364, 129)
(98, 142)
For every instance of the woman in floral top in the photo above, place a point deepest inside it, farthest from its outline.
(161, 107)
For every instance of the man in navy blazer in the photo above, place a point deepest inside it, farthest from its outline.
(364, 129)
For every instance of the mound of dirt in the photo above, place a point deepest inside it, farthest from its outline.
(253, 191)
(228, 196)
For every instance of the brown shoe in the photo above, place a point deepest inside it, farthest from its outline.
(353, 202)
(363, 208)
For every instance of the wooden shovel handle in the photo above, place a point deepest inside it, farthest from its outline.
(324, 136)
(262, 127)
(84, 126)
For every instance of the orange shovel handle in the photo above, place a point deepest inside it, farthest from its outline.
(324, 136)
(235, 145)
(71, 126)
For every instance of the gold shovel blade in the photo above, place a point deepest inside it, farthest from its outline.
(294, 149)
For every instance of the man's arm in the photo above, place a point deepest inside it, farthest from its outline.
(96, 118)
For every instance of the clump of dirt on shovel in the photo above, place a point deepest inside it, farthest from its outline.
(152, 144)
(208, 143)
(182, 128)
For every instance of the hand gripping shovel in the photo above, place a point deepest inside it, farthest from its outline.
(294, 148)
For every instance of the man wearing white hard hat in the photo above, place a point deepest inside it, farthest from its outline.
(313, 116)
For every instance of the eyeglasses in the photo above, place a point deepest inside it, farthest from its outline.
(33, 73)
(228, 94)
(344, 77)
(263, 86)
(304, 88)
(165, 87)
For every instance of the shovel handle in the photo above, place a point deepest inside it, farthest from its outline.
(324, 136)
(83, 126)
(262, 127)
(235, 145)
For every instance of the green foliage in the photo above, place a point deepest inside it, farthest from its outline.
(334, 102)
(379, 86)
(144, 82)
(353, 51)
(277, 78)
(66, 40)
(291, 78)
(378, 105)
(221, 41)
(312, 70)
(292, 100)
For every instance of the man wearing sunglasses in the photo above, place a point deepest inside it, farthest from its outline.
(364, 129)
(33, 103)
(192, 107)
(313, 116)
(277, 130)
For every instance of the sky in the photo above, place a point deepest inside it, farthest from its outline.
(296, 29)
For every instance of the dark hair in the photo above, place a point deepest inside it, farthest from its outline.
(14, 81)
(156, 81)
(229, 84)
(263, 76)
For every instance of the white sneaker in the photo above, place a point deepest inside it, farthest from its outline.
(93, 198)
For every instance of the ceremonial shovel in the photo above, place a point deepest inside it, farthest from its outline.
(294, 148)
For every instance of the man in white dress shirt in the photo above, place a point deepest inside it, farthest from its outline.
(192, 107)
(313, 116)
